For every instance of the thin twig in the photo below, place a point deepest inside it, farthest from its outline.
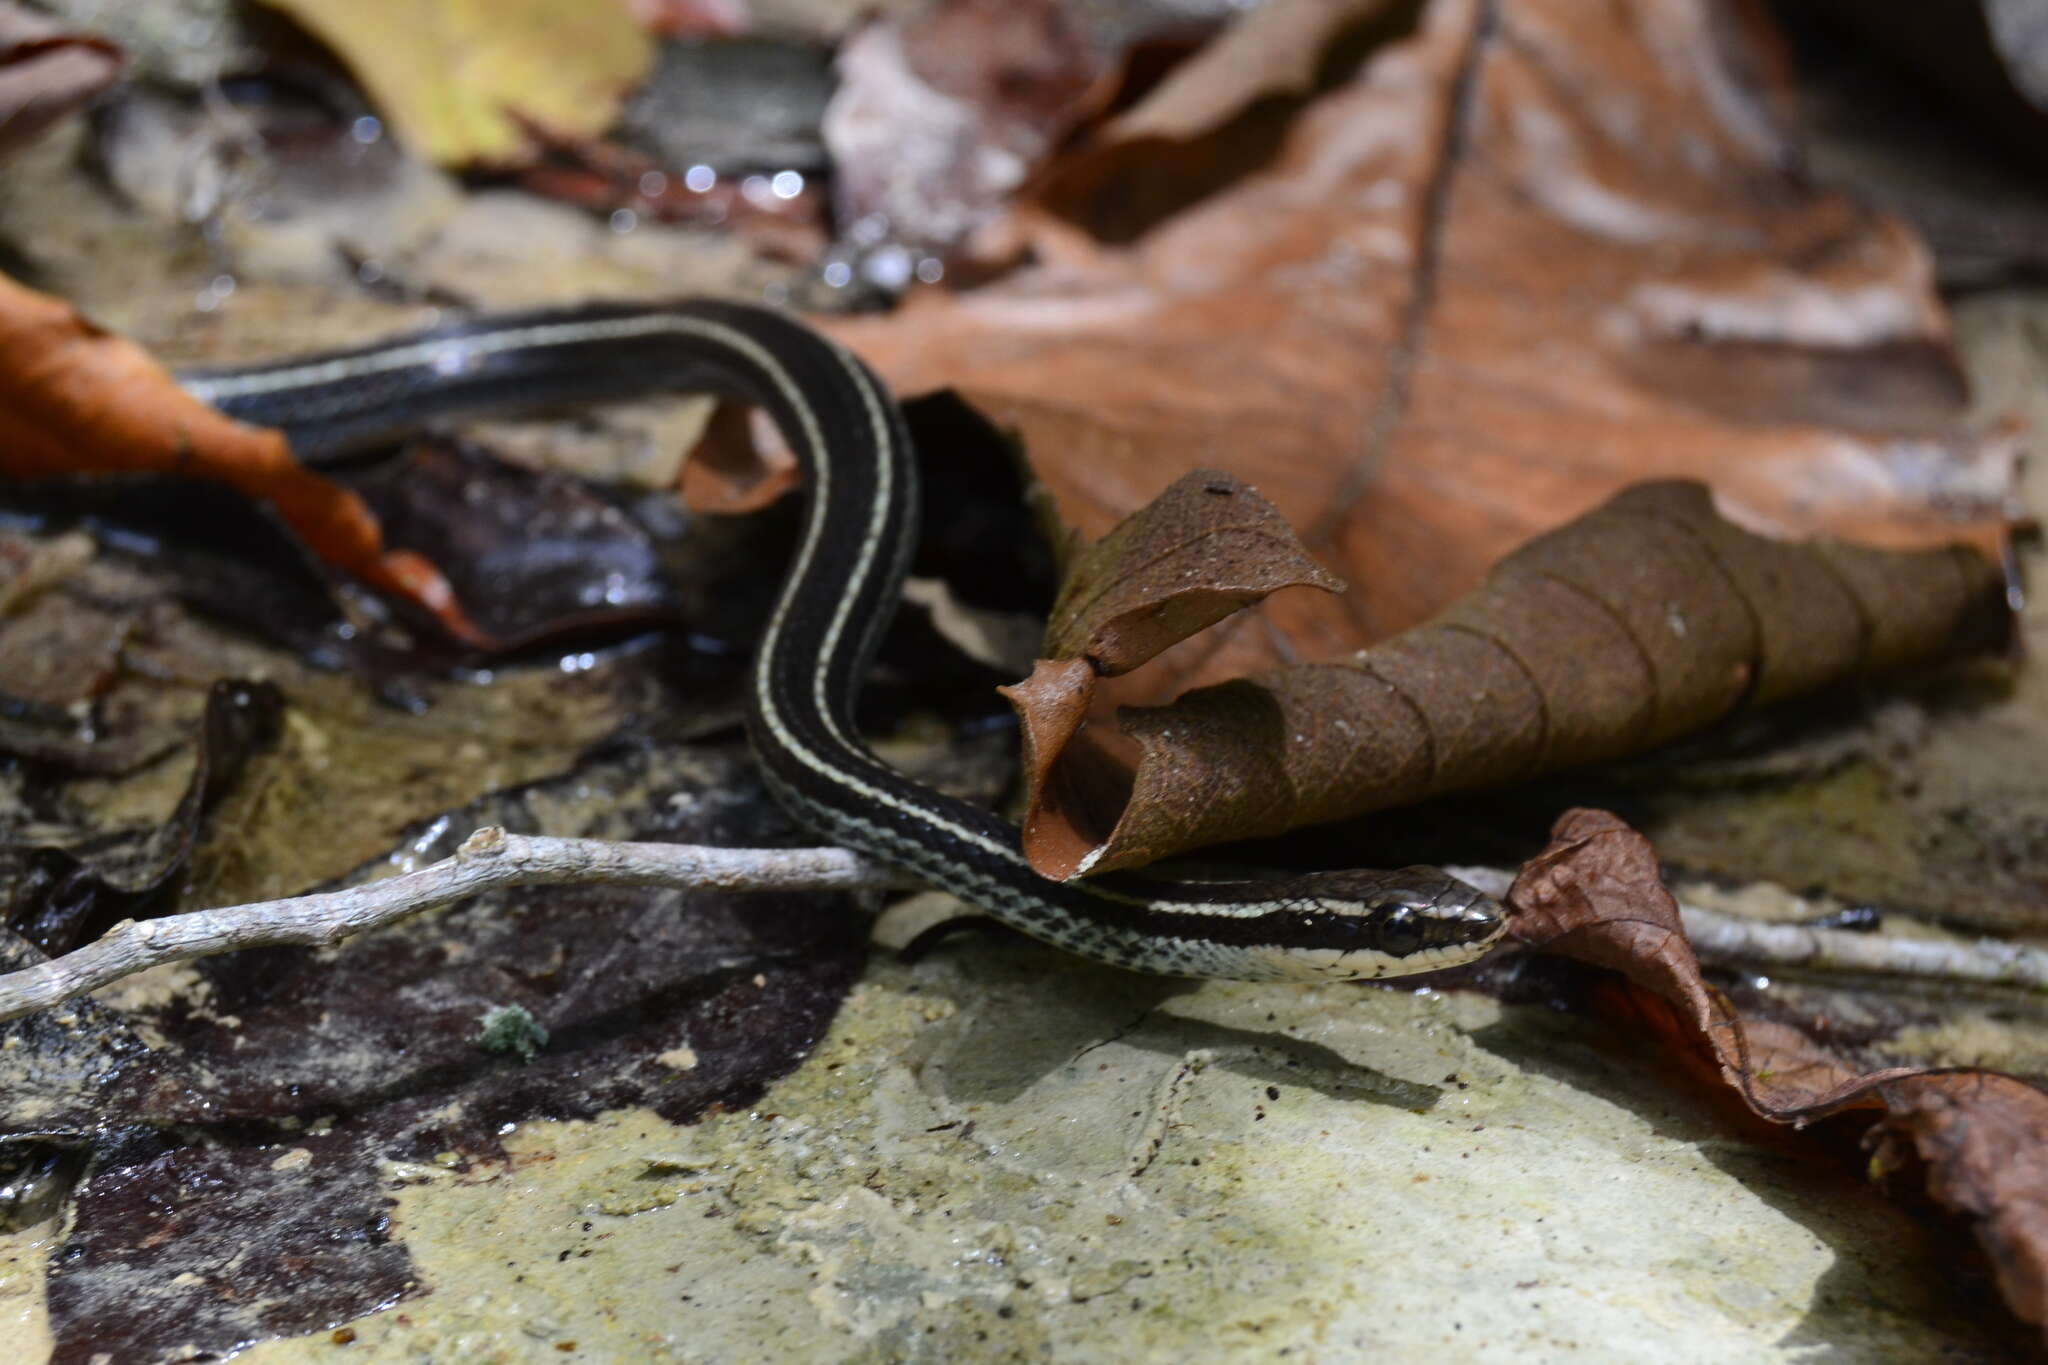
(491, 859)
(488, 860)
(1752, 942)
(1734, 938)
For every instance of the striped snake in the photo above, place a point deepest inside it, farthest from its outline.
(839, 595)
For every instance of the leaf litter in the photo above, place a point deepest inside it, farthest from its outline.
(1526, 258)
(1863, 391)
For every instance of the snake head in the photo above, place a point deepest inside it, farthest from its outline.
(1351, 926)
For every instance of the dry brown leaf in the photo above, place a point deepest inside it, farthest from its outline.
(1070, 786)
(46, 73)
(454, 78)
(1275, 49)
(75, 399)
(1982, 1138)
(1645, 620)
(1203, 549)
(738, 465)
(1533, 253)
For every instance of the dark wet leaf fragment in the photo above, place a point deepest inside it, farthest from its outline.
(250, 1218)
(246, 568)
(222, 1244)
(533, 555)
(62, 894)
(56, 1065)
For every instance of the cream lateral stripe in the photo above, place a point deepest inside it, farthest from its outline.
(836, 627)
(878, 513)
(422, 353)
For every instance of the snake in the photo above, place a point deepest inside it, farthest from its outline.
(838, 596)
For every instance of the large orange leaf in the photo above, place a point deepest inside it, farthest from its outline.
(1533, 252)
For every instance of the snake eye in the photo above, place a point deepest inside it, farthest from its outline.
(1398, 929)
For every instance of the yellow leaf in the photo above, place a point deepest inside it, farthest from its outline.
(447, 75)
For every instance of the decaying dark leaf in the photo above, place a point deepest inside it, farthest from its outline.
(52, 656)
(243, 1165)
(606, 176)
(1981, 1138)
(141, 557)
(64, 893)
(1647, 619)
(535, 555)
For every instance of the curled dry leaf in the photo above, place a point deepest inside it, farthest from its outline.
(75, 399)
(46, 73)
(1645, 620)
(1206, 547)
(1532, 253)
(1071, 785)
(1203, 549)
(741, 464)
(1982, 1138)
(454, 78)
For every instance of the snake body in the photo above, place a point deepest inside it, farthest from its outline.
(839, 595)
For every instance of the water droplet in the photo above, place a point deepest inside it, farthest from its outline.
(700, 178)
(838, 274)
(366, 129)
(786, 185)
(931, 269)
(624, 221)
(888, 268)
(653, 185)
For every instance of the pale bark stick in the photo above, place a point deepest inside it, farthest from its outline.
(491, 860)
(1725, 938)
(488, 860)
